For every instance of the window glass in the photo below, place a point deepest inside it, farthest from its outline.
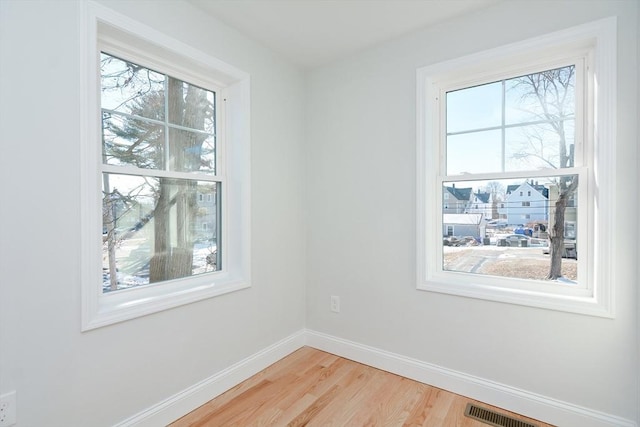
(131, 89)
(518, 124)
(156, 229)
(506, 236)
(463, 114)
(475, 152)
(131, 141)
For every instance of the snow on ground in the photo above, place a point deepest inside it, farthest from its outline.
(127, 280)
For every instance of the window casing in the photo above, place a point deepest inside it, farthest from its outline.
(225, 132)
(591, 50)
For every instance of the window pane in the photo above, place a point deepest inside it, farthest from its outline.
(129, 141)
(157, 229)
(476, 107)
(130, 88)
(191, 151)
(475, 152)
(539, 146)
(501, 227)
(548, 95)
(190, 106)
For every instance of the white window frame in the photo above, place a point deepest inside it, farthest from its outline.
(148, 47)
(596, 42)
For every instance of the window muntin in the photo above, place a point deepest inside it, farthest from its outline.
(154, 226)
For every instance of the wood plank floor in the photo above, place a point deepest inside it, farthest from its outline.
(313, 388)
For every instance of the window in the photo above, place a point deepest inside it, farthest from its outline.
(172, 121)
(153, 122)
(508, 122)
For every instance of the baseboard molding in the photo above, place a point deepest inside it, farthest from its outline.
(198, 394)
(532, 405)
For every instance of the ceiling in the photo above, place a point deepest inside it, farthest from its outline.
(312, 33)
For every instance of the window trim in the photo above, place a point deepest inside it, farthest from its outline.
(149, 47)
(598, 37)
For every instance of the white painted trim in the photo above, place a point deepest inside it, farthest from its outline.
(198, 394)
(513, 399)
(523, 402)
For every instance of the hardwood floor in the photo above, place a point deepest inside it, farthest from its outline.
(313, 388)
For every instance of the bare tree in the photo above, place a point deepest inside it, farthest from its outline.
(151, 145)
(497, 190)
(184, 110)
(549, 98)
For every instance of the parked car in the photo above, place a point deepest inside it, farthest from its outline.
(518, 240)
(513, 240)
(570, 249)
(460, 241)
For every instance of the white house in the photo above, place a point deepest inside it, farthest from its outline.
(525, 203)
(333, 186)
(463, 225)
(481, 203)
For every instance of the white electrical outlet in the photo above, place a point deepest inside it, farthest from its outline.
(8, 409)
(335, 304)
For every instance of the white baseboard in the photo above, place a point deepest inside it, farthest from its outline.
(532, 405)
(198, 394)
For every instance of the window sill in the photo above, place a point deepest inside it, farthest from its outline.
(106, 309)
(578, 301)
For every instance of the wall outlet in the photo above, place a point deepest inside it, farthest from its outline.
(335, 304)
(8, 409)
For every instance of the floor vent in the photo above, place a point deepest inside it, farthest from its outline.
(494, 418)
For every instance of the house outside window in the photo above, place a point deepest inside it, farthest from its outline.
(521, 118)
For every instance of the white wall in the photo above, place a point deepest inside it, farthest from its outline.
(68, 378)
(638, 201)
(362, 234)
